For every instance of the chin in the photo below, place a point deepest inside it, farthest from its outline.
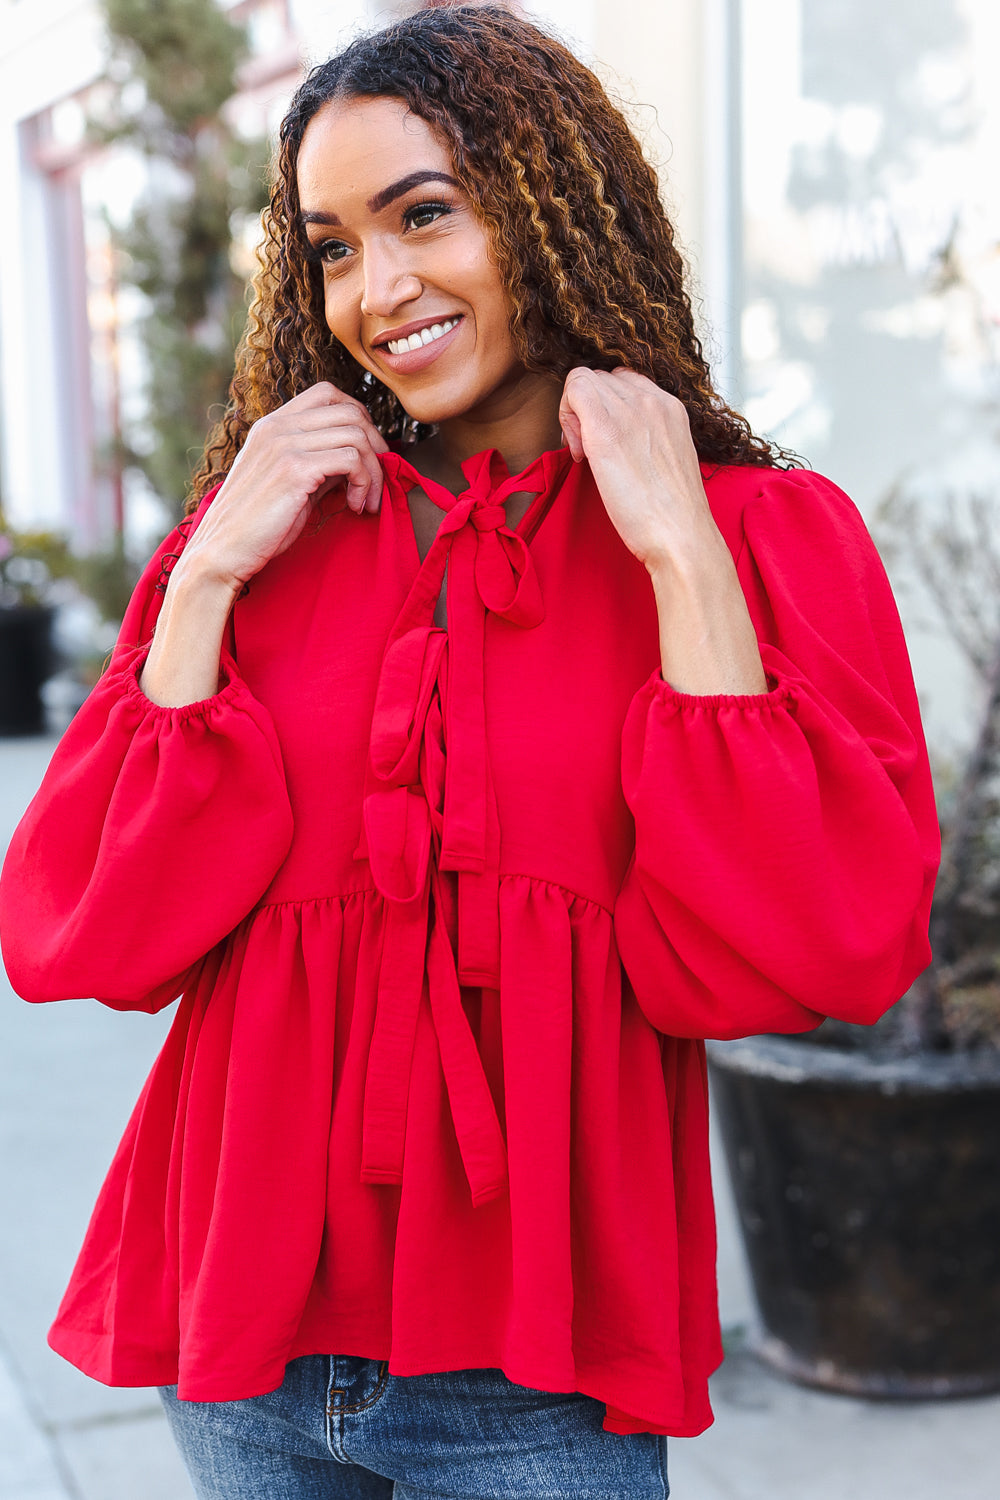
(431, 410)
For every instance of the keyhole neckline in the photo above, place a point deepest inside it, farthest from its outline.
(489, 479)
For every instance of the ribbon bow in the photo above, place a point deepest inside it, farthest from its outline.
(430, 807)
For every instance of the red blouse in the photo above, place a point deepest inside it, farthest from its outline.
(449, 913)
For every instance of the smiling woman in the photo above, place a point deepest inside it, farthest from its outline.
(503, 722)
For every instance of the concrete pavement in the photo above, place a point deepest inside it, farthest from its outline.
(69, 1075)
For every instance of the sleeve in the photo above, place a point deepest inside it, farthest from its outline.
(154, 831)
(786, 843)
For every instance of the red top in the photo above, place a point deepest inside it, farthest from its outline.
(450, 913)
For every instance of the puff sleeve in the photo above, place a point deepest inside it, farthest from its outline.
(154, 832)
(787, 842)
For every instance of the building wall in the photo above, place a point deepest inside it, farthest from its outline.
(50, 49)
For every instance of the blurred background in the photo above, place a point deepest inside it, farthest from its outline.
(831, 166)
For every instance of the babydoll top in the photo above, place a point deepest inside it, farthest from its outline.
(450, 913)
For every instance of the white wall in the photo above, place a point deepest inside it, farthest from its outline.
(49, 49)
(674, 69)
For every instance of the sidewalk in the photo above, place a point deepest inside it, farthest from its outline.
(69, 1075)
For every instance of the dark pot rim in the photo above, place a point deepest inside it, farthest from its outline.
(789, 1059)
(19, 612)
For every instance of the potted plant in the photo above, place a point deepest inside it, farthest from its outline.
(30, 564)
(865, 1161)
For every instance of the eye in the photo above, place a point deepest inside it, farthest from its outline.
(423, 214)
(327, 252)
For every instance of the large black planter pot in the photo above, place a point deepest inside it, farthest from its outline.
(25, 663)
(869, 1197)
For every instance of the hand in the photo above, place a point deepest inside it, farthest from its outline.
(292, 458)
(637, 441)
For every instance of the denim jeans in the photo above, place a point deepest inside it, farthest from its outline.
(344, 1427)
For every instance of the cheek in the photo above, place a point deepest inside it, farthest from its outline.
(489, 297)
(467, 270)
(342, 316)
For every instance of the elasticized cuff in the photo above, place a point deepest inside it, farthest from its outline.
(779, 694)
(128, 670)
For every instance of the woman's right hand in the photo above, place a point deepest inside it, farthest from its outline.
(292, 458)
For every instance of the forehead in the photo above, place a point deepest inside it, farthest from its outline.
(353, 147)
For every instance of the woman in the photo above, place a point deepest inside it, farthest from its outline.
(511, 724)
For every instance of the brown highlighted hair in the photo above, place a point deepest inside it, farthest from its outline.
(572, 207)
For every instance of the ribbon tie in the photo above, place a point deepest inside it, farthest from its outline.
(429, 808)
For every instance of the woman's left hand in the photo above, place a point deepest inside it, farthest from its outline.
(637, 441)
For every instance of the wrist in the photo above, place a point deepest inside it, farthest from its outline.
(708, 644)
(197, 579)
(697, 576)
(696, 559)
(183, 663)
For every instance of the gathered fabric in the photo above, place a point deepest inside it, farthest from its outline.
(449, 914)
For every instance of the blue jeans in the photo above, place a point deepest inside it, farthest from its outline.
(344, 1427)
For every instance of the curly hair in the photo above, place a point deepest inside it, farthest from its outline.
(572, 207)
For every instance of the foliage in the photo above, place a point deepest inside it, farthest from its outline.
(30, 564)
(108, 578)
(955, 555)
(173, 68)
(185, 54)
(38, 568)
(948, 551)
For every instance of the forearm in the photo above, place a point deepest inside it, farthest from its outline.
(708, 644)
(183, 662)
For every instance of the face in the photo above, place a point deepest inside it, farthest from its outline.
(410, 288)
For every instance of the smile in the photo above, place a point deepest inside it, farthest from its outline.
(425, 336)
(412, 352)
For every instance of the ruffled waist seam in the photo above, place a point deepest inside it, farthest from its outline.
(372, 890)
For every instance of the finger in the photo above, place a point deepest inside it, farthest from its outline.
(584, 388)
(350, 412)
(312, 418)
(569, 419)
(572, 434)
(354, 464)
(364, 487)
(326, 435)
(342, 452)
(580, 394)
(324, 394)
(376, 479)
(570, 424)
(359, 483)
(630, 385)
(347, 412)
(325, 439)
(581, 377)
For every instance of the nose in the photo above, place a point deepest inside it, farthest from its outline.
(389, 280)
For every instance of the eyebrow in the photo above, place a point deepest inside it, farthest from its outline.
(386, 196)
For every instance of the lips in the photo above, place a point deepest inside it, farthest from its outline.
(435, 337)
(406, 330)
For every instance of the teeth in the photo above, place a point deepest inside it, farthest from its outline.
(425, 336)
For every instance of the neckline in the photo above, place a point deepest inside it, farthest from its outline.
(487, 475)
(552, 468)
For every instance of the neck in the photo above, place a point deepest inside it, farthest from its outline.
(520, 427)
